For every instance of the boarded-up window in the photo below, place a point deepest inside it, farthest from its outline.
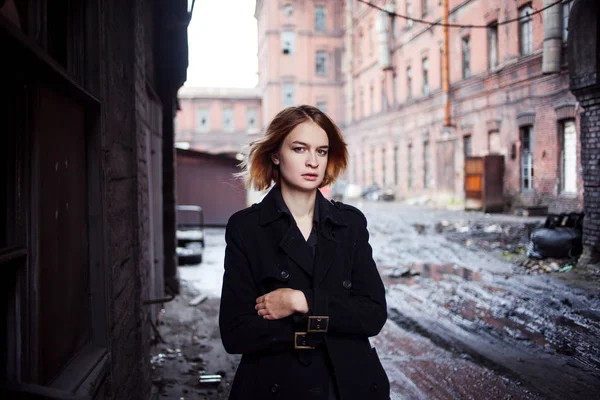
(494, 142)
(63, 233)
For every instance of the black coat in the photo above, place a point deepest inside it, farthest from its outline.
(265, 251)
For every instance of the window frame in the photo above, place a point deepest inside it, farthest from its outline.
(492, 47)
(285, 91)
(526, 156)
(227, 115)
(425, 66)
(320, 22)
(321, 55)
(199, 127)
(465, 46)
(525, 30)
(563, 187)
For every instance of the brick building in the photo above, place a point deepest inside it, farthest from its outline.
(87, 198)
(217, 120)
(508, 93)
(584, 71)
(300, 46)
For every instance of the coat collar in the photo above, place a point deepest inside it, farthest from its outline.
(270, 211)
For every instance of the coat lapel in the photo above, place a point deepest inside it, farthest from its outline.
(330, 220)
(294, 245)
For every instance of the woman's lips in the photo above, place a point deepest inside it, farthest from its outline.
(310, 177)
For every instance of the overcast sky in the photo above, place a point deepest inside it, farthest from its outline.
(222, 44)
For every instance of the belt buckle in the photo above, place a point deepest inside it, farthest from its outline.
(300, 341)
(318, 323)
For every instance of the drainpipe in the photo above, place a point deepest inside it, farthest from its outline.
(552, 38)
(446, 66)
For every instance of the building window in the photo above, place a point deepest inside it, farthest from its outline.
(409, 83)
(494, 142)
(372, 99)
(287, 42)
(395, 165)
(568, 157)
(320, 18)
(467, 150)
(228, 120)
(371, 42)
(288, 95)
(395, 88)
(384, 102)
(321, 105)
(466, 57)
(203, 123)
(527, 158)
(364, 167)
(426, 165)
(359, 45)
(423, 7)
(409, 13)
(525, 30)
(288, 10)
(252, 119)
(361, 103)
(425, 77)
(492, 33)
(566, 9)
(393, 28)
(383, 167)
(321, 63)
(410, 166)
(373, 165)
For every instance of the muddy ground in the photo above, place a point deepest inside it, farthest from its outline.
(469, 315)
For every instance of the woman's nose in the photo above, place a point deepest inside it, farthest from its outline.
(312, 160)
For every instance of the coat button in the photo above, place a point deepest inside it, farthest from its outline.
(284, 274)
(275, 388)
(347, 284)
(375, 387)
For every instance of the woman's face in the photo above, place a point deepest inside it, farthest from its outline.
(302, 158)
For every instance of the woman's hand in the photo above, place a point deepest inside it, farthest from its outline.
(281, 303)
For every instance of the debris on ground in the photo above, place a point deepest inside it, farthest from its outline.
(403, 273)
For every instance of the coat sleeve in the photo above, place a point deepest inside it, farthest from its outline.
(364, 310)
(242, 329)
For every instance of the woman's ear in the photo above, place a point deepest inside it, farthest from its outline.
(275, 158)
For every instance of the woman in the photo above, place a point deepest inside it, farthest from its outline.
(301, 293)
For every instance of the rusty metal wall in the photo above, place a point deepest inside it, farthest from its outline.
(207, 181)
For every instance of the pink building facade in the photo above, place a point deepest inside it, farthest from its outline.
(509, 95)
(300, 50)
(217, 120)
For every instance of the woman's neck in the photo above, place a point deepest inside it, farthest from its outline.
(300, 203)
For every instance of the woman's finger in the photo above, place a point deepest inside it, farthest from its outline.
(260, 299)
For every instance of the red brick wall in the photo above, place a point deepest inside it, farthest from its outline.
(489, 97)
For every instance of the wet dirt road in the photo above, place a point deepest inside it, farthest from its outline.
(463, 323)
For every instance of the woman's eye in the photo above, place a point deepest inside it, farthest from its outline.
(322, 152)
(298, 149)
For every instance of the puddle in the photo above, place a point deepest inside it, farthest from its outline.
(411, 274)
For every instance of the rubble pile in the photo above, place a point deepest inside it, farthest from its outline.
(509, 240)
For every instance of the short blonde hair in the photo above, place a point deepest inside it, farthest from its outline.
(258, 169)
